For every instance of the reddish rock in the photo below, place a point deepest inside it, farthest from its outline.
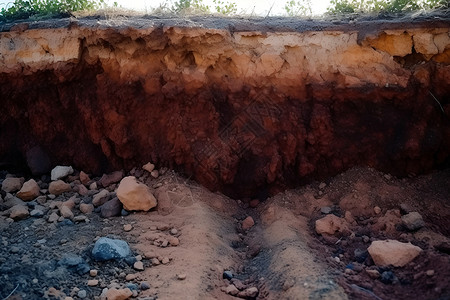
(118, 294)
(84, 178)
(100, 198)
(330, 224)
(86, 208)
(58, 187)
(18, 212)
(248, 223)
(29, 190)
(135, 195)
(113, 177)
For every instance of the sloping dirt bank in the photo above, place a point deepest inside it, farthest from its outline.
(247, 107)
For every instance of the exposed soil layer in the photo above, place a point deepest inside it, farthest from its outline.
(246, 108)
(281, 254)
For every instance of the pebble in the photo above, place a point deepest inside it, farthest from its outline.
(181, 276)
(326, 210)
(387, 277)
(165, 260)
(173, 241)
(130, 277)
(92, 282)
(377, 210)
(322, 185)
(138, 257)
(251, 292)
(127, 227)
(145, 285)
(86, 208)
(138, 266)
(53, 218)
(93, 272)
(154, 173)
(173, 231)
(107, 249)
(227, 275)
(82, 294)
(231, 290)
(374, 274)
(155, 261)
(430, 273)
(14, 250)
(124, 213)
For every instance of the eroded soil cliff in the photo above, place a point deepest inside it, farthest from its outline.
(247, 107)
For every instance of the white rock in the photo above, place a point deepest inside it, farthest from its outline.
(135, 195)
(392, 252)
(59, 172)
(149, 167)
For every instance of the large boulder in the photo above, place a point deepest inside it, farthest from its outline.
(29, 190)
(108, 249)
(135, 195)
(392, 252)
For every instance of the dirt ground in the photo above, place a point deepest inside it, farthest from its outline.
(281, 255)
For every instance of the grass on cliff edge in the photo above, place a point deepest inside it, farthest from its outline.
(44, 9)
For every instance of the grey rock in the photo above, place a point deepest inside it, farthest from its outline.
(227, 275)
(413, 221)
(59, 172)
(82, 294)
(74, 263)
(326, 210)
(108, 249)
(124, 212)
(145, 285)
(111, 208)
(100, 198)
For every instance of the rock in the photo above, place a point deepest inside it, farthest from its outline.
(139, 266)
(93, 272)
(326, 210)
(66, 212)
(82, 190)
(360, 255)
(231, 290)
(181, 276)
(100, 198)
(92, 282)
(374, 274)
(135, 195)
(154, 173)
(111, 208)
(38, 161)
(93, 186)
(80, 218)
(251, 292)
(84, 178)
(116, 294)
(392, 252)
(12, 184)
(58, 187)
(14, 250)
(53, 218)
(82, 294)
(165, 260)
(248, 223)
(387, 277)
(74, 263)
(377, 210)
(155, 261)
(113, 177)
(123, 212)
(18, 212)
(149, 167)
(70, 203)
(86, 208)
(11, 201)
(330, 224)
(165, 200)
(130, 277)
(37, 212)
(29, 190)
(173, 231)
(173, 241)
(430, 273)
(107, 249)
(145, 285)
(413, 221)
(127, 227)
(59, 172)
(227, 275)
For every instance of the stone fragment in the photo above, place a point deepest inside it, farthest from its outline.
(118, 294)
(413, 221)
(139, 266)
(173, 241)
(165, 260)
(149, 167)
(377, 210)
(92, 282)
(231, 290)
(392, 252)
(53, 217)
(93, 272)
(135, 195)
(58, 187)
(248, 223)
(111, 208)
(100, 198)
(330, 224)
(18, 212)
(145, 285)
(59, 172)
(154, 173)
(66, 212)
(113, 177)
(127, 227)
(86, 208)
(374, 274)
(155, 261)
(82, 190)
(29, 190)
(12, 184)
(84, 178)
(181, 276)
(107, 249)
